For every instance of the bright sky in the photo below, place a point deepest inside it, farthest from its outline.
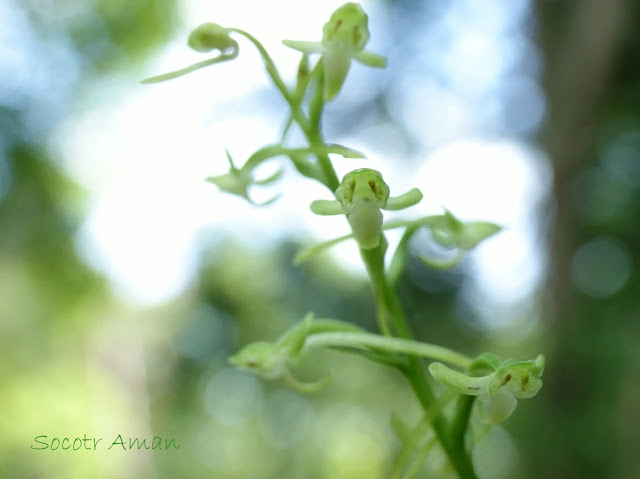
(143, 152)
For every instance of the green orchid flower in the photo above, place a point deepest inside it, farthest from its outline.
(361, 196)
(465, 236)
(205, 38)
(271, 360)
(274, 360)
(238, 180)
(450, 232)
(497, 383)
(344, 37)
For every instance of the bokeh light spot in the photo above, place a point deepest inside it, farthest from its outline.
(232, 396)
(601, 267)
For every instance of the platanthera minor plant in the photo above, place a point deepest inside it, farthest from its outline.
(486, 386)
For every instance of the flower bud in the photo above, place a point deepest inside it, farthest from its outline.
(211, 36)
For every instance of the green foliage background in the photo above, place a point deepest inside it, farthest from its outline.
(74, 361)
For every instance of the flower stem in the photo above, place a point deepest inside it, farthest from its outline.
(310, 131)
(414, 370)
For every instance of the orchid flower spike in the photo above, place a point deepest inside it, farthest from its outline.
(361, 196)
(344, 37)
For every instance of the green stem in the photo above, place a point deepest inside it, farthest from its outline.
(316, 105)
(331, 177)
(414, 370)
(271, 70)
(411, 443)
(311, 132)
(460, 422)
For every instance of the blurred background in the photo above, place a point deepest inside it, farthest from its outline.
(126, 280)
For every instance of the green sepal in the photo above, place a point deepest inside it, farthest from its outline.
(484, 363)
(326, 207)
